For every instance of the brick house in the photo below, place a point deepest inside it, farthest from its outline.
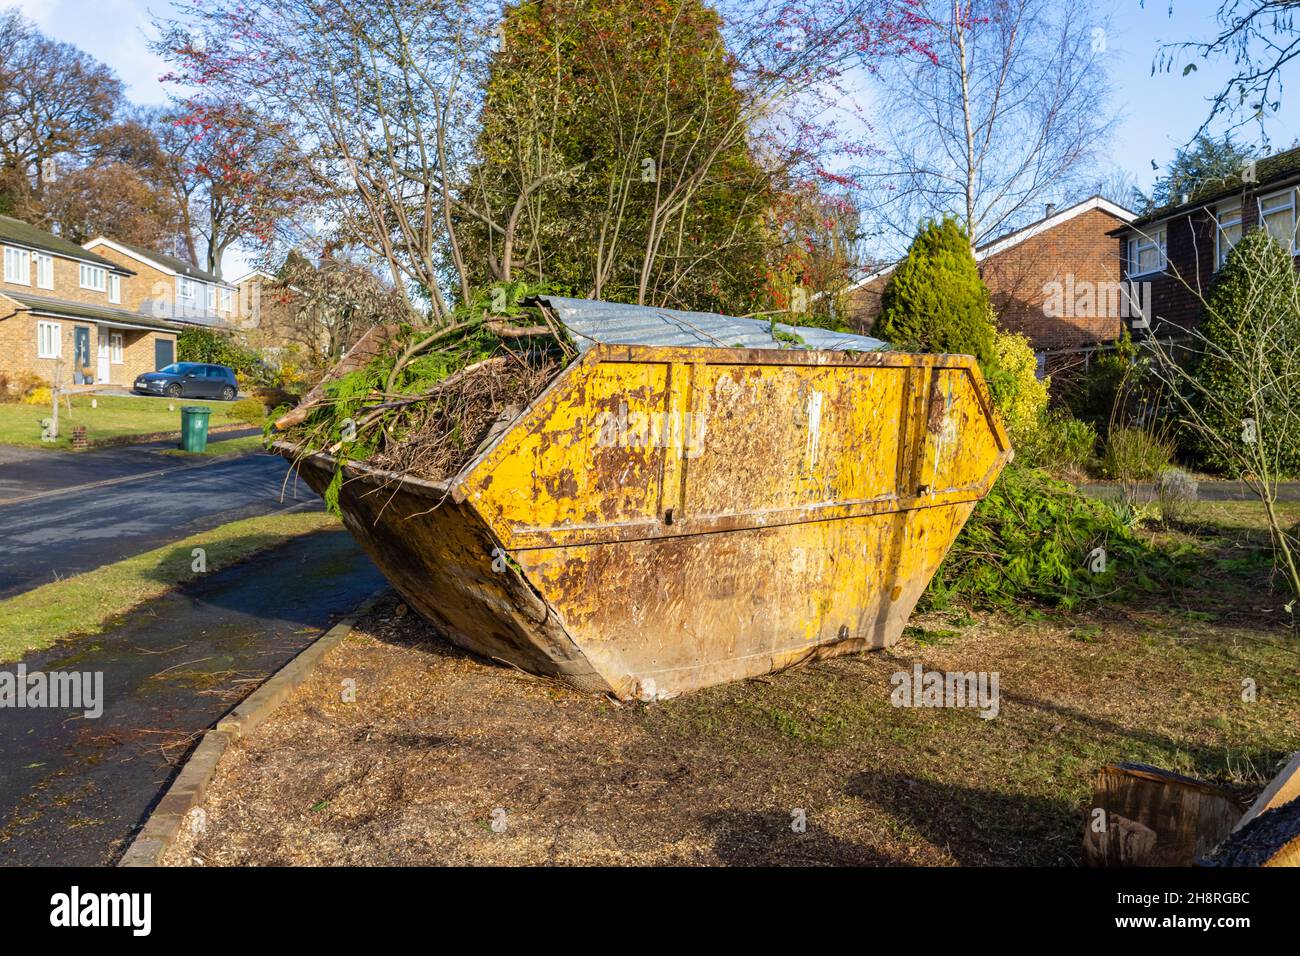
(1056, 281)
(167, 287)
(63, 310)
(265, 318)
(1175, 252)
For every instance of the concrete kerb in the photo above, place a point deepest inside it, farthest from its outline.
(186, 792)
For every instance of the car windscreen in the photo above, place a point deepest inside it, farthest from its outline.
(179, 368)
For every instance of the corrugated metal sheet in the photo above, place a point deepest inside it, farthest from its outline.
(611, 323)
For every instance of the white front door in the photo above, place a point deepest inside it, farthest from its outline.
(105, 366)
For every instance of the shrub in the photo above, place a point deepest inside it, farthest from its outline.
(1062, 444)
(1093, 396)
(1257, 289)
(935, 300)
(18, 387)
(1177, 492)
(1135, 454)
(38, 395)
(218, 348)
(1020, 397)
(1029, 541)
(250, 410)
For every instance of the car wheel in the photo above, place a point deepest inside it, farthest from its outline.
(227, 394)
(174, 390)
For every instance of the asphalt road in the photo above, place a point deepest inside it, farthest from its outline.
(1207, 491)
(74, 789)
(63, 513)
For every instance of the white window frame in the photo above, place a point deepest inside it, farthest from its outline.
(1140, 242)
(114, 288)
(185, 288)
(44, 270)
(94, 278)
(1283, 201)
(115, 341)
(1226, 216)
(55, 329)
(227, 299)
(18, 266)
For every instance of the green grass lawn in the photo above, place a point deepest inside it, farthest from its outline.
(87, 603)
(243, 445)
(116, 416)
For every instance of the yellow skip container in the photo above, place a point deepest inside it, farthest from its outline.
(665, 517)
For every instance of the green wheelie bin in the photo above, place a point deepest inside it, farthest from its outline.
(194, 427)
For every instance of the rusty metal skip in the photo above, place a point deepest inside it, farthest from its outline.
(666, 518)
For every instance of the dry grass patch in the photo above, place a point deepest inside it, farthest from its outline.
(436, 741)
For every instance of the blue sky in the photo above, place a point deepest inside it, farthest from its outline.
(1158, 112)
(1161, 112)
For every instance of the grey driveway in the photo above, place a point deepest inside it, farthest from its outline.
(63, 513)
(1207, 491)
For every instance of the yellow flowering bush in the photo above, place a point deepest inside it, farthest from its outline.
(1020, 397)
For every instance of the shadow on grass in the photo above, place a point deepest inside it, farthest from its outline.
(271, 576)
(978, 826)
(1209, 762)
(750, 838)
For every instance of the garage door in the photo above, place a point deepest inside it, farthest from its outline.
(164, 353)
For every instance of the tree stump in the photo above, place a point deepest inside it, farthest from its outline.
(1151, 817)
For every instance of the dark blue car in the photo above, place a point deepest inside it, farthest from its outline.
(189, 380)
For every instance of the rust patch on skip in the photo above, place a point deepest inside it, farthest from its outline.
(938, 405)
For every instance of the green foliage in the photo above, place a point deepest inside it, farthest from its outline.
(819, 320)
(935, 300)
(1208, 165)
(1092, 397)
(357, 416)
(567, 119)
(218, 348)
(1061, 443)
(250, 410)
(1135, 454)
(1257, 288)
(1020, 397)
(1029, 540)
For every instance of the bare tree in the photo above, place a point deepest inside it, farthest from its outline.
(1260, 37)
(379, 99)
(324, 307)
(385, 102)
(54, 98)
(1003, 113)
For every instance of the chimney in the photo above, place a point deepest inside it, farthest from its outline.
(1051, 210)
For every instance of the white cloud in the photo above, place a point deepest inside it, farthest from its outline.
(113, 31)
